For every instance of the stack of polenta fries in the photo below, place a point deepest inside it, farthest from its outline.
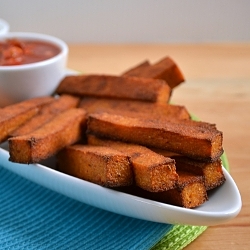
(120, 132)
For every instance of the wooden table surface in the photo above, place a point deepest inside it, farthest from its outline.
(217, 90)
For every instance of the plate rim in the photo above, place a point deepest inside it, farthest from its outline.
(49, 178)
(201, 218)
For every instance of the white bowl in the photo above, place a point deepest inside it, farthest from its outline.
(20, 82)
(4, 27)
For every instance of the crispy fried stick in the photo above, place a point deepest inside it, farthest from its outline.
(65, 129)
(198, 142)
(13, 116)
(132, 88)
(101, 165)
(152, 171)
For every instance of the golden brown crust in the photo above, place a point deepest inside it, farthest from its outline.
(133, 88)
(46, 113)
(212, 171)
(172, 73)
(193, 141)
(189, 193)
(131, 108)
(137, 69)
(65, 129)
(165, 69)
(13, 116)
(152, 172)
(101, 165)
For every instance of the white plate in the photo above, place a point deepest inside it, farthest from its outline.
(223, 205)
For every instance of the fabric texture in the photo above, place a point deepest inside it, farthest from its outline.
(34, 217)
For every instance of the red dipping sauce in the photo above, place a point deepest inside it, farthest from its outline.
(19, 52)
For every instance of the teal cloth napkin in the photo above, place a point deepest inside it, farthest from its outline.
(34, 217)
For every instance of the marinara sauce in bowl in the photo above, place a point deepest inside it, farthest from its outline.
(31, 65)
(19, 52)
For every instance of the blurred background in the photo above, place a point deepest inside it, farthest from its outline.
(132, 21)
